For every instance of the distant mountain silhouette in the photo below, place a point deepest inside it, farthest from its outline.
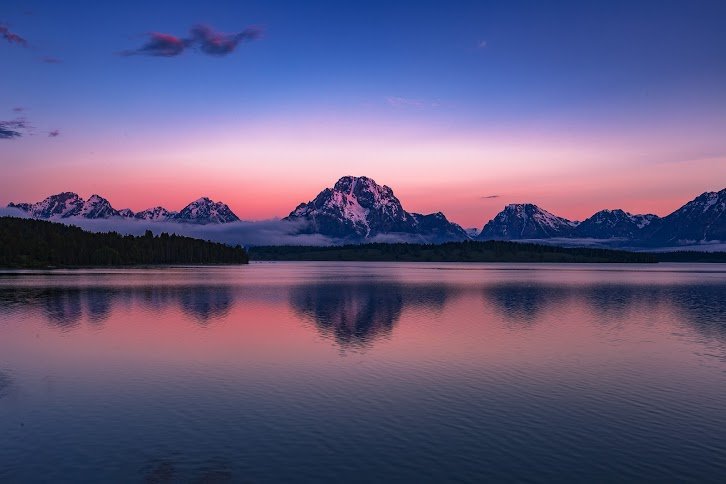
(68, 205)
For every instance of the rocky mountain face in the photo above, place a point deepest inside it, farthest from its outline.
(97, 207)
(526, 221)
(62, 205)
(608, 224)
(702, 219)
(205, 211)
(69, 205)
(357, 208)
(154, 214)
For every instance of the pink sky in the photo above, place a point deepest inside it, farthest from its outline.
(264, 170)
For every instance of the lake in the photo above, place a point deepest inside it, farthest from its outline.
(362, 372)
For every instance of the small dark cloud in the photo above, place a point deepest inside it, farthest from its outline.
(18, 109)
(487, 197)
(219, 44)
(7, 133)
(13, 129)
(209, 41)
(160, 45)
(12, 37)
(50, 60)
(54, 133)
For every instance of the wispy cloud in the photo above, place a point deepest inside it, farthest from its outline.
(488, 197)
(405, 102)
(18, 109)
(482, 44)
(54, 133)
(12, 37)
(207, 39)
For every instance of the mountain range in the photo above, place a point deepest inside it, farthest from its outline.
(357, 209)
(68, 205)
(702, 219)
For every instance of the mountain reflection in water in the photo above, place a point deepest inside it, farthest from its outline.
(357, 313)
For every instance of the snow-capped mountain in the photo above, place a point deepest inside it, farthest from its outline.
(69, 205)
(526, 221)
(66, 204)
(700, 220)
(205, 211)
(97, 207)
(607, 224)
(358, 208)
(154, 214)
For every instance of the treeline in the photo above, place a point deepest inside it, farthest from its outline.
(469, 251)
(691, 256)
(27, 243)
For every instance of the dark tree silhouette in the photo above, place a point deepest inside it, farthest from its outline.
(35, 243)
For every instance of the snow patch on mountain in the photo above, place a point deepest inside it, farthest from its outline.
(526, 221)
(205, 211)
(154, 214)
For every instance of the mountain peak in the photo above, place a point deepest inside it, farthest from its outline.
(156, 214)
(206, 211)
(701, 219)
(61, 205)
(359, 208)
(526, 221)
(616, 223)
(97, 207)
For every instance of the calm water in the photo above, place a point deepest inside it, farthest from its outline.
(364, 372)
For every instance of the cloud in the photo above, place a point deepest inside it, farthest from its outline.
(406, 102)
(160, 45)
(265, 232)
(487, 197)
(54, 133)
(12, 37)
(18, 109)
(13, 129)
(219, 44)
(207, 39)
(482, 44)
(13, 212)
(50, 60)
(396, 102)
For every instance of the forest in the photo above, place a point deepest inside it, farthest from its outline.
(26, 243)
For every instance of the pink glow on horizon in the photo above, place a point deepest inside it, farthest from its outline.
(263, 170)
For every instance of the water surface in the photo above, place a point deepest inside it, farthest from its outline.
(364, 372)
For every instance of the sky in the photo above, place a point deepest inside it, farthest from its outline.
(460, 107)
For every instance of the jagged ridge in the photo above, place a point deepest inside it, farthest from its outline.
(69, 204)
